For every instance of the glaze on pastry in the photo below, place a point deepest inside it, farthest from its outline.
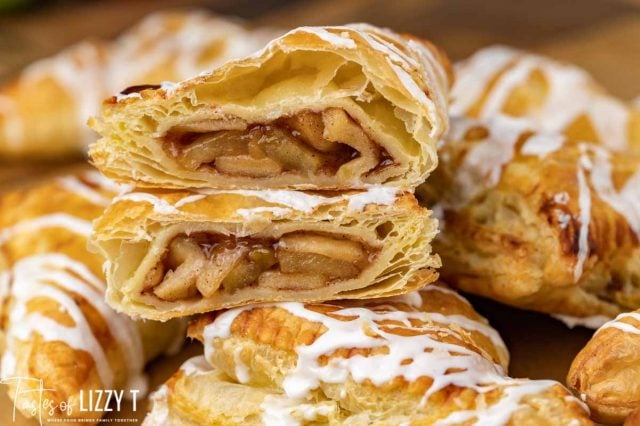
(420, 359)
(56, 326)
(318, 108)
(537, 221)
(178, 253)
(552, 96)
(606, 373)
(43, 113)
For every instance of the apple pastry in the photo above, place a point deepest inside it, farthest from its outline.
(606, 373)
(43, 112)
(318, 108)
(552, 96)
(537, 221)
(178, 253)
(423, 358)
(59, 339)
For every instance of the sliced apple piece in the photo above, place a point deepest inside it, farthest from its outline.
(298, 262)
(246, 165)
(311, 128)
(209, 146)
(291, 153)
(341, 249)
(280, 281)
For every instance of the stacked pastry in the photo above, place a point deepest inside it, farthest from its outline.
(279, 182)
(62, 345)
(43, 112)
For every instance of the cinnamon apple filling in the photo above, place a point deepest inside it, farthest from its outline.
(327, 142)
(199, 265)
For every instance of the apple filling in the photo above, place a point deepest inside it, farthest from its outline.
(310, 143)
(199, 265)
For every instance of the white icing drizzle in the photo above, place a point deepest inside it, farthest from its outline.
(584, 203)
(52, 275)
(572, 93)
(369, 328)
(54, 220)
(594, 322)
(293, 200)
(542, 145)
(73, 184)
(624, 326)
(338, 40)
(241, 370)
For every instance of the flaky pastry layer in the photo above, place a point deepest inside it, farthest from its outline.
(318, 108)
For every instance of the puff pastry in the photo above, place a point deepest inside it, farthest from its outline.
(173, 254)
(606, 373)
(318, 108)
(419, 359)
(552, 96)
(43, 113)
(58, 333)
(537, 221)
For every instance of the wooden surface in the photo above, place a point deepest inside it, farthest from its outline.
(602, 36)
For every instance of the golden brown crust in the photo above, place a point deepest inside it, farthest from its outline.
(548, 224)
(393, 89)
(606, 373)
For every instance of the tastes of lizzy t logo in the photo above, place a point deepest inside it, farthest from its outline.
(28, 396)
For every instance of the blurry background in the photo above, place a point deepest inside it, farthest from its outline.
(602, 36)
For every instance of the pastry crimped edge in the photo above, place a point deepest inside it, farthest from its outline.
(410, 74)
(134, 232)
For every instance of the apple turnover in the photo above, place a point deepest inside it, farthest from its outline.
(419, 359)
(318, 108)
(60, 340)
(537, 221)
(43, 113)
(178, 253)
(606, 373)
(552, 96)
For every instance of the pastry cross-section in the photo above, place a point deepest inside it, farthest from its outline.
(176, 253)
(318, 108)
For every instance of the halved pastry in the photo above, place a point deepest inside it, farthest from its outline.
(172, 254)
(318, 108)
(552, 96)
(606, 373)
(60, 340)
(43, 113)
(537, 221)
(421, 359)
